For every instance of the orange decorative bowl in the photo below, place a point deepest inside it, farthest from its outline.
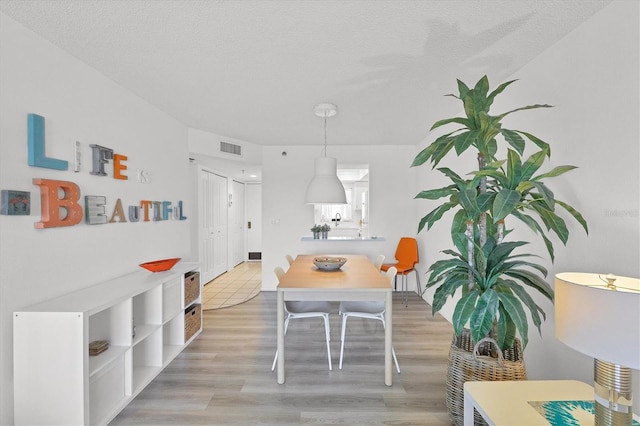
(160, 265)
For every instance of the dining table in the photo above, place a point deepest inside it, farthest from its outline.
(357, 280)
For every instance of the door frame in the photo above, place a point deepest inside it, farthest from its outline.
(198, 244)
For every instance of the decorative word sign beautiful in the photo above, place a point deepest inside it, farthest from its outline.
(60, 200)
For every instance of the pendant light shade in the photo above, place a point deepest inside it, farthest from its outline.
(325, 187)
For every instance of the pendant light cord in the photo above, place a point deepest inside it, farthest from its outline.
(325, 134)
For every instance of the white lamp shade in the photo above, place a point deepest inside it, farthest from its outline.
(596, 321)
(325, 187)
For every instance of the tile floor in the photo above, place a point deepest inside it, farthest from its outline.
(236, 286)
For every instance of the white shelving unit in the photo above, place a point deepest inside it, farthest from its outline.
(141, 314)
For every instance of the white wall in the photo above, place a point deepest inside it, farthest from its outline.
(591, 77)
(79, 104)
(286, 218)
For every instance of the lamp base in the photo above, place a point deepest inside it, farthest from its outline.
(613, 394)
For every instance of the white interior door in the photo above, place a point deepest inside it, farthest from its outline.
(213, 225)
(236, 224)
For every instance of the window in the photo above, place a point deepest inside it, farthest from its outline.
(354, 214)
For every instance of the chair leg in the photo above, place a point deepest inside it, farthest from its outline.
(395, 359)
(275, 358)
(327, 334)
(328, 338)
(420, 292)
(405, 296)
(344, 327)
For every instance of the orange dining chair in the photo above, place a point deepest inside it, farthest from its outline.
(406, 260)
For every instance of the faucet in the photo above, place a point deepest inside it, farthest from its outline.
(337, 219)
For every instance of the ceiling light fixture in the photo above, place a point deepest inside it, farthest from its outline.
(325, 187)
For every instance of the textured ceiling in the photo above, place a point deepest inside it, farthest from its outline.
(253, 70)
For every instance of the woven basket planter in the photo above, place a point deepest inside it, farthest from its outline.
(478, 362)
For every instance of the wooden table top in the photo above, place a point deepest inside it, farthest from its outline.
(358, 273)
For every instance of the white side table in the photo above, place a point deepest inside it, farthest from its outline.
(507, 403)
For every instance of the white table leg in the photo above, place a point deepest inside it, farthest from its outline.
(468, 409)
(280, 342)
(388, 339)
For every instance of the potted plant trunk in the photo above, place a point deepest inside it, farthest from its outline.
(490, 274)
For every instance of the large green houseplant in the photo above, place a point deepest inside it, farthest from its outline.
(494, 279)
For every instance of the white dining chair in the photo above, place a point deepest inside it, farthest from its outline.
(289, 259)
(367, 310)
(305, 309)
(379, 262)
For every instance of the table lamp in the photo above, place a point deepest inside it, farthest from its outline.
(599, 315)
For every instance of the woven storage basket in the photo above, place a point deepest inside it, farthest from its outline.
(191, 287)
(479, 362)
(192, 321)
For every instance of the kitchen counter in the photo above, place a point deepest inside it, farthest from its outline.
(373, 238)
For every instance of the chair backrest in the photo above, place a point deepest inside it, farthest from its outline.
(407, 251)
(289, 259)
(391, 274)
(279, 273)
(379, 262)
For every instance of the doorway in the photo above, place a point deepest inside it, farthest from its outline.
(212, 229)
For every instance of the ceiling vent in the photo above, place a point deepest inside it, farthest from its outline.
(231, 148)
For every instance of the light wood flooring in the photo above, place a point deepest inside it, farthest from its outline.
(224, 377)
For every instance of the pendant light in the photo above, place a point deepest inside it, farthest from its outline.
(325, 187)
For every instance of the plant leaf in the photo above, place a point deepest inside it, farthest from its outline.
(463, 310)
(460, 120)
(485, 201)
(469, 203)
(513, 306)
(576, 214)
(482, 317)
(441, 153)
(465, 140)
(535, 227)
(434, 194)
(536, 106)
(552, 221)
(506, 329)
(448, 288)
(532, 280)
(514, 169)
(426, 154)
(531, 165)
(546, 193)
(534, 309)
(557, 171)
(504, 203)
(537, 141)
(514, 139)
(434, 215)
(497, 91)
